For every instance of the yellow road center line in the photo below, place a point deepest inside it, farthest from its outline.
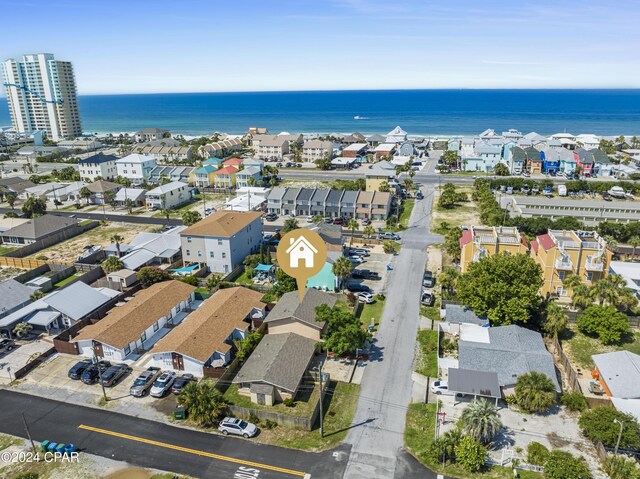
(192, 451)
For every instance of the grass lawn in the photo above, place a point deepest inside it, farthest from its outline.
(7, 441)
(427, 360)
(407, 208)
(372, 311)
(6, 249)
(580, 347)
(431, 312)
(60, 284)
(303, 406)
(244, 278)
(340, 404)
(418, 437)
(466, 213)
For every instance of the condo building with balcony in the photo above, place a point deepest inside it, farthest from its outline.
(478, 242)
(561, 253)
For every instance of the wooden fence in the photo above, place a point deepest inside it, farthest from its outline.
(52, 240)
(25, 263)
(572, 376)
(31, 365)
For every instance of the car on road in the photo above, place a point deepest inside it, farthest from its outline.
(181, 382)
(271, 217)
(428, 280)
(144, 381)
(388, 235)
(365, 221)
(419, 195)
(359, 251)
(7, 345)
(427, 298)
(92, 374)
(78, 368)
(355, 259)
(113, 374)
(163, 384)
(364, 297)
(232, 425)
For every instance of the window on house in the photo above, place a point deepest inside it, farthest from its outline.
(143, 336)
(188, 253)
(199, 253)
(561, 275)
(590, 275)
(127, 350)
(210, 254)
(219, 242)
(188, 239)
(156, 326)
(224, 255)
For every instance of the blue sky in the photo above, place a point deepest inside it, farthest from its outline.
(160, 46)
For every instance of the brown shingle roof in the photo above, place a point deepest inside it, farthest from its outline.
(222, 223)
(101, 186)
(204, 331)
(125, 324)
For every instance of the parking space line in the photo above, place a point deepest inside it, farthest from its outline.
(55, 371)
(193, 451)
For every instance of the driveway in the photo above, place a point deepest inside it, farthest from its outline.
(377, 435)
(17, 358)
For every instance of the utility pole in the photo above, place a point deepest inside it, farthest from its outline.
(26, 428)
(321, 399)
(104, 391)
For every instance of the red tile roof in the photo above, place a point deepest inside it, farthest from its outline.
(546, 242)
(227, 170)
(524, 241)
(466, 238)
(232, 161)
(535, 245)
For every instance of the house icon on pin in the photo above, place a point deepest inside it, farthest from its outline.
(301, 249)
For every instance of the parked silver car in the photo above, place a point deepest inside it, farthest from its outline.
(143, 382)
(233, 425)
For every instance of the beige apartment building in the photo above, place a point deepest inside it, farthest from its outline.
(314, 150)
(478, 242)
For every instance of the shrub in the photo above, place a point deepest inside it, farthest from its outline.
(537, 454)
(605, 322)
(598, 424)
(535, 392)
(563, 465)
(288, 402)
(190, 279)
(573, 401)
(269, 424)
(28, 475)
(470, 454)
(380, 297)
(621, 467)
(254, 419)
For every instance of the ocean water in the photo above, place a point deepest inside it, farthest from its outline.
(419, 112)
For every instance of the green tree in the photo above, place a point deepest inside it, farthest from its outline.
(203, 402)
(34, 207)
(388, 247)
(535, 392)
(247, 345)
(317, 219)
(481, 421)
(563, 465)
(284, 283)
(191, 217)
(212, 282)
(190, 279)
(449, 197)
(443, 449)
(450, 158)
(150, 275)
(452, 242)
(111, 264)
(537, 454)
(447, 279)
(166, 212)
(555, 319)
(343, 333)
(353, 226)
(369, 231)
(10, 198)
(22, 329)
(621, 467)
(597, 424)
(129, 204)
(502, 287)
(324, 163)
(501, 170)
(604, 322)
(117, 239)
(470, 454)
(384, 187)
(85, 193)
(342, 268)
(36, 295)
(290, 224)
(634, 242)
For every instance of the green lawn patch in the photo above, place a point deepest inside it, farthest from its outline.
(303, 406)
(6, 249)
(8, 441)
(85, 222)
(65, 281)
(580, 347)
(340, 404)
(407, 208)
(427, 359)
(419, 435)
(431, 312)
(244, 278)
(372, 312)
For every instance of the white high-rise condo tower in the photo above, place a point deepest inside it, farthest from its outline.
(42, 95)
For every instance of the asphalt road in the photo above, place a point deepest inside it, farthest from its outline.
(108, 217)
(377, 445)
(154, 445)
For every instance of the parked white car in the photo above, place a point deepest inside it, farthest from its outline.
(355, 259)
(163, 384)
(365, 297)
(440, 387)
(232, 425)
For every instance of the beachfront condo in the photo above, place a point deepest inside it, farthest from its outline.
(41, 92)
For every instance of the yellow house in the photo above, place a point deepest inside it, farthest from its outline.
(481, 241)
(203, 176)
(225, 177)
(561, 253)
(380, 172)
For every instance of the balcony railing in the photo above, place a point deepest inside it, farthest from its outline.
(594, 265)
(564, 264)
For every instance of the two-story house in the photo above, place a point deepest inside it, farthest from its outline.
(289, 201)
(103, 166)
(225, 177)
(318, 201)
(136, 168)
(222, 240)
(168, 196)
(249, 176)
(584, 161)
(274, 200)
(203, 177)
(303, 202)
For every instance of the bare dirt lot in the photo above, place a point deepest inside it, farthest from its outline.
(466, 213)
(69, 250)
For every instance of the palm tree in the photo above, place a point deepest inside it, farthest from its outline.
(112, 264)
(22, 329)
(612, 244)
(85, 193)
(369, 230)
(129, 204)
(481, 421)
(535, 392)
(290, 224)
(10, 198)
(580, 297)
(572, 281)
(212, 282)
(117, 239)
(203, 402)
(342, 268)
(603, 291)
(353, 226)
(166, 212)
(251, 181)
(555, 320)
(634, 242)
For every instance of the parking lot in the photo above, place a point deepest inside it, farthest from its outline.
(376, 262)
(18, 357)
(51, 380)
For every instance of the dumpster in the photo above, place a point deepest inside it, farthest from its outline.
(60, 448)
(69, 448)
(52, 446)
(44, 445)
(179, 413)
